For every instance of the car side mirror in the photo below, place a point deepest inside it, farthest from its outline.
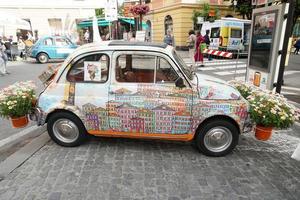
(179, 83)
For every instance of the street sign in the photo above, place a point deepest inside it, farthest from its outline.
(268, 28)
(111, 10)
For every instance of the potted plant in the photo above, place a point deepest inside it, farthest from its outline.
(16, 101)
(267, 110)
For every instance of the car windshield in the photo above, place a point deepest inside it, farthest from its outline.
(182, 65)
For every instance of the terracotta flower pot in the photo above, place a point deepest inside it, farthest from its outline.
(19, 122)
(262, 132)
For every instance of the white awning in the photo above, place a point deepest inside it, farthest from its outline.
(7, 20)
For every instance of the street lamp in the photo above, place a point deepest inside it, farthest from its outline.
(234, 4)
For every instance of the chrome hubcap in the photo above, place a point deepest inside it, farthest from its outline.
(65, 130)
(42, 58)
(218, 139)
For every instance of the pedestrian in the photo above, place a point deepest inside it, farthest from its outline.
(132, 39)
(3, 60)
(207, 42)
(191, 45)
(169, 38)
(297, 46)
(86, 36)
(198, 55)
(21, 47)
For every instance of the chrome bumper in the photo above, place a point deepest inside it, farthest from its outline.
(38, 115)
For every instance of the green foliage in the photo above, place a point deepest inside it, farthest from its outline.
(205, 13)
(244, 8)
(267, 109)
(100, 12)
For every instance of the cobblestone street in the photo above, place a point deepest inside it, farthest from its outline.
(105, 168)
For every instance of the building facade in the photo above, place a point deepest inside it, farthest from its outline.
(176, 15)
(53, 17)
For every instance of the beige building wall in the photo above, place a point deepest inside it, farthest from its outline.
(181, 14)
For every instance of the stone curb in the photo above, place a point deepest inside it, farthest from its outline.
(19, 157)
(32, 131)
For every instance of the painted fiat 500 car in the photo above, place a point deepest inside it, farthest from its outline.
(139, 90)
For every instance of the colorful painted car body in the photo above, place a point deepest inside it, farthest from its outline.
(140, 90)
(51, 47)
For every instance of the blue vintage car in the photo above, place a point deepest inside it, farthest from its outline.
(51, 47)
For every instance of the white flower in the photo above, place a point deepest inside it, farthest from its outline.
(10, 107)
(23, 97)
(283, 117)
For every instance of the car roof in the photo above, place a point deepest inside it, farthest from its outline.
(120, 45)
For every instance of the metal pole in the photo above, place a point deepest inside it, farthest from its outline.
(288, 31)
(140, 19)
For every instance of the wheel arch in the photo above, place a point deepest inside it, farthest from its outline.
(37, 55)
(58, 110)
(217, 117)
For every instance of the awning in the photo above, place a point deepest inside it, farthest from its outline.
(89, 23)
(131, 21)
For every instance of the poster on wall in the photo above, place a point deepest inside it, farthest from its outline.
(262, 40)
(92, 71)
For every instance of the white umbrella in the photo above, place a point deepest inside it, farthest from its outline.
(96, 34)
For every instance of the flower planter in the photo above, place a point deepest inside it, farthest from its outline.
(263, 133)
(19, 122)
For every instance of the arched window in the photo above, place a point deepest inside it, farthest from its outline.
(168, 23)
(148, 31)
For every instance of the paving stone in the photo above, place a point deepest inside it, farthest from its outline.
(135, 169)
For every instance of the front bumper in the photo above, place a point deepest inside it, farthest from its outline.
(38, 115)
(248, 125)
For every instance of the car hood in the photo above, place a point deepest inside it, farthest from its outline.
(210, 87)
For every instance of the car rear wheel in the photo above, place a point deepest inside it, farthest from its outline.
(42, 58)
(217, 138)
(66, 129)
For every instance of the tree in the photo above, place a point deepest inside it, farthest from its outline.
(244, 8)
(100, 12)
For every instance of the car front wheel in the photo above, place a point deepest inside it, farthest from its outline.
(42, 58)
(217, 137)
(66, 129)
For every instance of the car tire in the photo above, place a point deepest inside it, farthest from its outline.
(217, 137)
(66, 129)
(42, 58)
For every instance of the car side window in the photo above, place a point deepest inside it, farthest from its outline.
(165, 72)
(91, 68)
(48, 42)
(136, 68)
(61, 42)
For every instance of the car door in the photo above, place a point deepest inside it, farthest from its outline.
(88, 76)
(48, 46)
(138, 103)
(174, 112)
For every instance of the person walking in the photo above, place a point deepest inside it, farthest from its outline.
(207, 42)
(169, 38)
(191, 44)
(86, 36)
(3, 60)
(297, 46)
(198, 55)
